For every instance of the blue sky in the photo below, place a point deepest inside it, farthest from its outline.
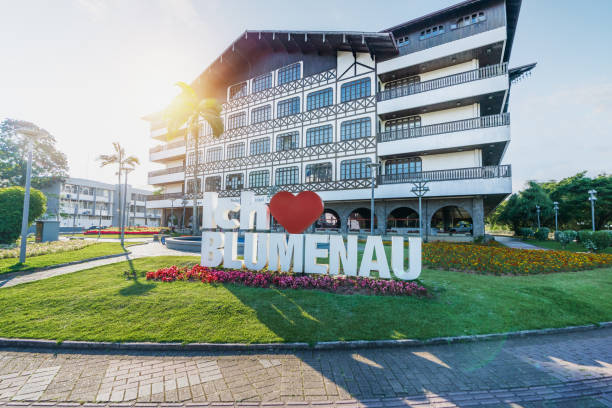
(87, 70)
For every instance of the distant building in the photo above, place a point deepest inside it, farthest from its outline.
(426, 100)
(81, 203)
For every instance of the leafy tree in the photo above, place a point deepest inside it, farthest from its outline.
(11, 211)
(49, 165)
(520, 209)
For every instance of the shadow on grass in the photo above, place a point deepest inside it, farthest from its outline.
(136, 288)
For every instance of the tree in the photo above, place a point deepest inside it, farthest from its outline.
(123, 162)
(11, 211)
(188, 108)
(520, 209)
(49, 165)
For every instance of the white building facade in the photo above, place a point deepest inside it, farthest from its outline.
(426, 100)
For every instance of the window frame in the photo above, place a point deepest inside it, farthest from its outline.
(350, 173)
(270, 78)
(254, 149)
(229, 181)
(316, 169)
(259, 175)
(320, 99)
(287, 107)
(292, 172)
(211, 151)
(357, 89)
(208, 184)
(234, 123)
(284, 75)
(261, 113)
(242, 92)
(294, 143)
(356, 125)
(232, 150)
(316, 134)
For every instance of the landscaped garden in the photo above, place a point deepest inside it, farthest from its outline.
(115, 231)
(101, 304)
(54, 253)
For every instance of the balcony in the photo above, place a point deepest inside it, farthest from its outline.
(166, 176)
(167, 200)
(484, 130)
(166, 152)
(461, 86)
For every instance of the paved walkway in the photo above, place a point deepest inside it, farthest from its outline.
(517, 243)
(570, 369)
(137, 251)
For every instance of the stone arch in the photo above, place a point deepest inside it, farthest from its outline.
(330, 219)
(451, 218)
(402, 219)
(360, 219)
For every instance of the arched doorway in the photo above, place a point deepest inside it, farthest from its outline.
(403, 220)
(360, 219)
(452, 220)
(329, 220)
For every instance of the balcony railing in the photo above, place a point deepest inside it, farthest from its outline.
(167, 196)
(489, 71)
(173, 145)
(163, 172)
(448, 175)
(446, 127)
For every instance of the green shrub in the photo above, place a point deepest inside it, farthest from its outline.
(542, 234)
(571, 235)
(601, 239)
(11, 211)
(563, 238)
(585, 235)
(525, 232)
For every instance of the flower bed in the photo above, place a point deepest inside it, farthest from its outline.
(128, 231)
(508, 261)
(44, 248)
(336, 284)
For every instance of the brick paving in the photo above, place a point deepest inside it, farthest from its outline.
(567, 370)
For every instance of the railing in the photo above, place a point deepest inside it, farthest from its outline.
(418, 45)
(173, 145)
(448, 175)
(167, 196)
(163, 172)
(489, 71)
(502, 119)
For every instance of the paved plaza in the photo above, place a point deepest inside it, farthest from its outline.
(571, 369)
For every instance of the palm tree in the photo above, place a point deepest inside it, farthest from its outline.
(121, 159)
(187, 109)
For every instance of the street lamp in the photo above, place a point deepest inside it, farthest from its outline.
(592, 199)
(184, 203)
(556, 208)
(538, 213)
(30, 133)
(271, 191)
(420, 189)
(373, 168)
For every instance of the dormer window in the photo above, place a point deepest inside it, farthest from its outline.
(469, 20)
(238, 91)
(432, 32)
(405, 40)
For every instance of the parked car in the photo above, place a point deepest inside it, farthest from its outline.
(93, 228)
(462, 227)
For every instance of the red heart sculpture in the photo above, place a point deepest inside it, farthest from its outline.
(296, 213)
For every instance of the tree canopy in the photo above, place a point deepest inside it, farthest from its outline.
(11, 211)
(48, 163)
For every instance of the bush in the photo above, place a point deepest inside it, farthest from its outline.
(525, 232)
(584, 236)
(601, 239)
(11, 211)
(563, 238)
(571, 234)
(542, 234)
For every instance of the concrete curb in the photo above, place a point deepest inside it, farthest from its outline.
(326, 345)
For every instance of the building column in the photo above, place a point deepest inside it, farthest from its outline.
(478, 222)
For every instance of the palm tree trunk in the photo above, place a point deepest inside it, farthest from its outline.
(125, 210)
(194, 225)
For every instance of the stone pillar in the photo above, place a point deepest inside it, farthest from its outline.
(478, 222)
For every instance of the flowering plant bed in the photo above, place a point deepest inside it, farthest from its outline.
(337, 284)
(508, 261)
(44, 248)
(128, 231)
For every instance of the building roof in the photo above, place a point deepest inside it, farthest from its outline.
(518, 73)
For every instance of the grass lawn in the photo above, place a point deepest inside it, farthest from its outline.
(551, 244)
(100, 304)
(92, 251)
(113, 236)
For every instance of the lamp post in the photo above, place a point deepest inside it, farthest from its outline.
(184, 203)
(556, 208)
(420, 189)
(271, 191)
(30, 133)
(538, 213)
(592, 199)
(172, 211)
(373, 168)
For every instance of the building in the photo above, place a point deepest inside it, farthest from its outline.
(426, 100)
(81, 203)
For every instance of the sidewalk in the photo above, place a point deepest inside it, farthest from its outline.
(511, 242)
(137, 251)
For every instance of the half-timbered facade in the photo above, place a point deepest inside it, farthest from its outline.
(425, 100)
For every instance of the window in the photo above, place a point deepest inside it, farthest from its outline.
(190, 184)
(214, 154)
(238, 91)
(469, 20)
(403, 82)
(287, 175)
(262, 82)
(261, 114)
(356, 89)
(403, 166)
(235, 150)
(319, 135)
(400, 124)
(260, 146)
(355, 169)
(405, 40)
(212, 183)
(260, 178)
(287, 141)
(289, 73)
(356, 129)
(431, 32)
(236, 120)
(288, 107)
(191, 158)
(318, 172)
(320, 99)
(234, 182)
